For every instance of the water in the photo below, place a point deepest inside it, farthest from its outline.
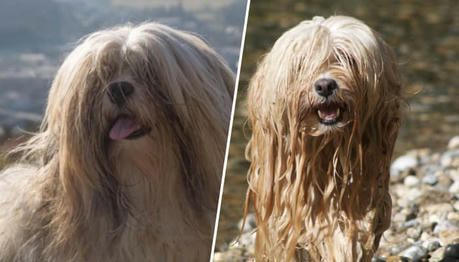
(424, 34)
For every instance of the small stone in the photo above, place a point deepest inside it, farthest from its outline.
(452, 251)
(399, 217)
(439, 210)
(387, 236)
(414, 233)
(398, 190)
(453, 174)
(430, 169)
(453, 216)
(395, 249)
(427, 238)
(250, 223)
(449, 236)
(403, 202)
(448, 157)
(456, 205)
(453, 142)
(430, 179)
(247, 240)
(413, 193)
(434, 245)
(411, 223)
(378, 259)
(424, 156)
(437, 255)
(411, 211)
(231, 255)
(411, 181)
(445, 225)
(454, 188)
(402, 164)
(415, 253)
(397, 259)
(444, 182)
(435, 157)
(218, 256)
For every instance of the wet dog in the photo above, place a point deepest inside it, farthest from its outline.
(324, 106)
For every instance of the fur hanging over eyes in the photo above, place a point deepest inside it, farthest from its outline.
(325, 109)
(127, 163)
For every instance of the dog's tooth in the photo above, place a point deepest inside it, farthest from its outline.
(338, 112)
(320, 114)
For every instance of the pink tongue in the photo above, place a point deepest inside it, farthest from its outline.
(329, 112)
(123, 127)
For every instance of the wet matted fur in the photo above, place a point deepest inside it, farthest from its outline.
(319, 157)
(127, 163)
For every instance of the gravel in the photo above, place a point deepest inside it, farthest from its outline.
(425, 211)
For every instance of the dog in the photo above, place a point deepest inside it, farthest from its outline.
(324, 107)
(127, 163)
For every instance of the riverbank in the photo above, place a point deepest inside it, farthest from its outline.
(425, 211)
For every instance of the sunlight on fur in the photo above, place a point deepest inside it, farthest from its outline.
(324, 107)
(127, 163)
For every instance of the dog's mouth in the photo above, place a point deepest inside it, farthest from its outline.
(330, 113)
(127, 127)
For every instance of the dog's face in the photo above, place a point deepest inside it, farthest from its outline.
(327, 103)
(122, 101)
(114, 106)
(138, 124)
(135, 114)
(329, 74)
(147, 97)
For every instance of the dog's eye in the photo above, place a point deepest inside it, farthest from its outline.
(348, 61)
(351, 62)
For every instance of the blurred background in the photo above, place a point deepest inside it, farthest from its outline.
(425, 37)
(36, 35)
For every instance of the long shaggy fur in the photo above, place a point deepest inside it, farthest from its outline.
(78, 195)
(320, 192)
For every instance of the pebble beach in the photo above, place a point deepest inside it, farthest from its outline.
(424, 187)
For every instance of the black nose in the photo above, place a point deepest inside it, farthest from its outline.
(325, 86)
(118, 92)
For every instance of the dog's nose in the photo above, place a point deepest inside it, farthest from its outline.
(325, 86)
(118, 92)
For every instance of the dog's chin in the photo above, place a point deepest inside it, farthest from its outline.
(127, 127)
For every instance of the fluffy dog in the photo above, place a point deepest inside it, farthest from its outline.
(127, 163)
(324, 106)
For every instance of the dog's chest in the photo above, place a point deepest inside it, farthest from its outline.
(159, 241)
(162, 225)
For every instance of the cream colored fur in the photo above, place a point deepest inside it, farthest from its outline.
(77, 195)
(320, 192)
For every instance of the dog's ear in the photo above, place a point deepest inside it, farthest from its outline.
(387, 114)
(266, 106)
(220, 70)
